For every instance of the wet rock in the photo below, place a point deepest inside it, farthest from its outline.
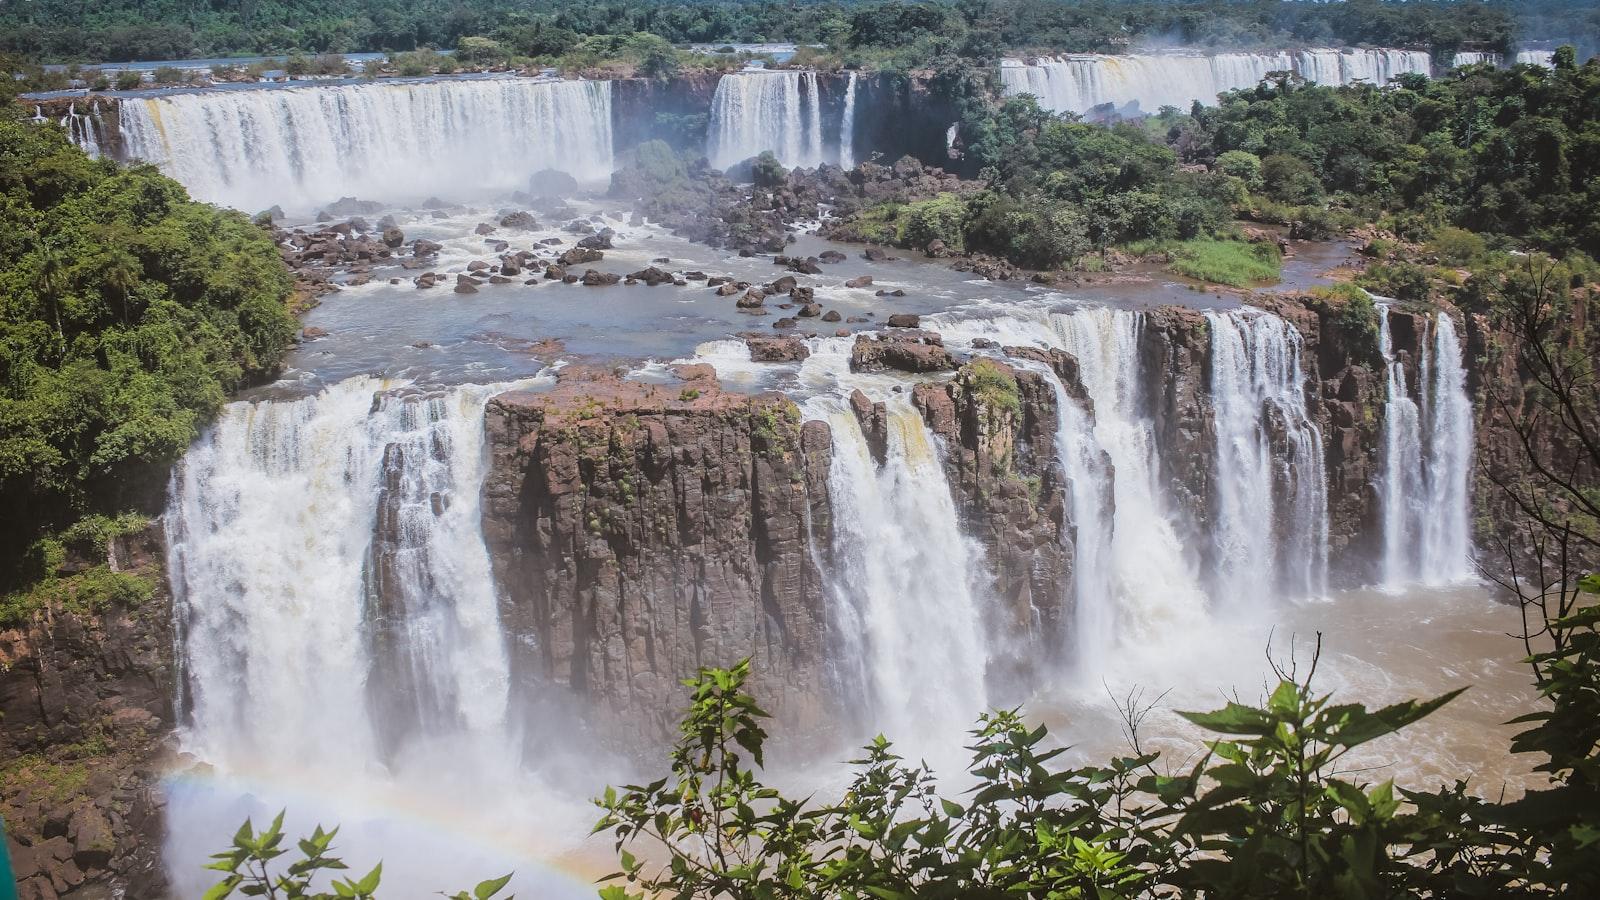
(652, 276)
(552, 242)
(810, 311)
(555, 273)
(420, 247)
(802, 294)
(345, 207)
(805, 266)
(484, 228)
(312, 332)
(984, 344)
(905, 350)
(596, 278)
(500, 279)
(767, 348)
(784, 323)
(477, 265)
(859, 281)
(580, 255)
(754, 298)
(904, 320)
(393, 238)
(830, 257)
(465, 287)
(727, 289)
(874, 254)
(519, 220)
(897, 292)
(600, 240)
(831, 315)
(784, 285)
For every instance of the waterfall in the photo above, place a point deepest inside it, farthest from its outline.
(1469, 58)
(1427, 461)
(906, 583)
(1078, 83)
(1090, 528)
(779, 110)
(84, 128)
(305, 146)
(1270, 531)
(307, 536)
(1447, 535)
(1546, 58)
(847, 126)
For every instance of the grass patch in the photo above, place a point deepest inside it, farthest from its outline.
(994, 387)
(1233, 263)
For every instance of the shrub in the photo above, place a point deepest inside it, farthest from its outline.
(1457, 246)
(940, 219)
(129, 80)
(1241, 165)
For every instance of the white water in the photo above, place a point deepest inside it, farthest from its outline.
(339, 630)
(1427, 461)
(754, 111)
(1270, 532)
(1546, 58)
(905, 576)
(847, 126)
(1469, 58)
(1079, 83)
(303, 147)
(84, 128)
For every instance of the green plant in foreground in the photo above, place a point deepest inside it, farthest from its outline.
(250, 863)
(1266, 813)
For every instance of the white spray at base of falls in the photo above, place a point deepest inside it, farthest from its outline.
(1427, 462)
(906, 580)
(306, 146)
(781, 110)
(1270, 531)
(1078, 83)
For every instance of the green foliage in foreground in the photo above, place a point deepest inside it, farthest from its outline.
(1267, 812)
(1230, 262)
(252, 869)
(127, 313)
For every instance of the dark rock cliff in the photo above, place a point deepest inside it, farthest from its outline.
(641, 531)
(85, 710)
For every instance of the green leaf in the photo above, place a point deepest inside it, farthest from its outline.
(487, 889)
(369, 884)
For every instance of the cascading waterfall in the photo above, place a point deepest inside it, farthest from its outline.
(305, 146)
(1447, 535)
(1427, 460)
(1090, 528)
(1270, 532)
(1546, 58)
(905, 583)
(1078, 83)
(1473, 58)
(303, 535)
(84, 128)
(758, 110)
(847, 126)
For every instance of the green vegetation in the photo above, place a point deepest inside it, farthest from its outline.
(1230, 262)
(128, 313)
(994, 387)
(912, 33)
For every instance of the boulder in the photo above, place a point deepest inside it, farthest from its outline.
(783, 285)
(465, 287)
(727, 289)
(652, 276)
(874, 254)
(810, 311)
(477, 265)
(767, 348)
(831, 315)
(600, 240)
(580, 255)
(897, 292)
(784, 323)
(420, 247)
(805, 266)
(802, 294)
(596, 278)
(905, 320)
(521, 221)
(484, 228)
(393, 238)
(907, 351)
(859, 281)
(831, 257)
(555, 273)
(312, 332)
(754, 298)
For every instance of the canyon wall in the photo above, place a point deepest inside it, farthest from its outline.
(85, 711)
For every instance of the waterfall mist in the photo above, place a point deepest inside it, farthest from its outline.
(306, 146)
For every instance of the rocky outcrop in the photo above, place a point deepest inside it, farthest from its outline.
(639, 531)
(997, 426)
(86, 702)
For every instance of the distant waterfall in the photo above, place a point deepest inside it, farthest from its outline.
(1469, 58)
(1270, 533)
(907, 583)
(847, 126)
(1079, 83)
(305, 146)
(1427, 460)
(84, 128)
(1546, 58)
(305, 536)
(779, 110)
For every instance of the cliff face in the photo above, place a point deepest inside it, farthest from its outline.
(641, 531)
(86, 705)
